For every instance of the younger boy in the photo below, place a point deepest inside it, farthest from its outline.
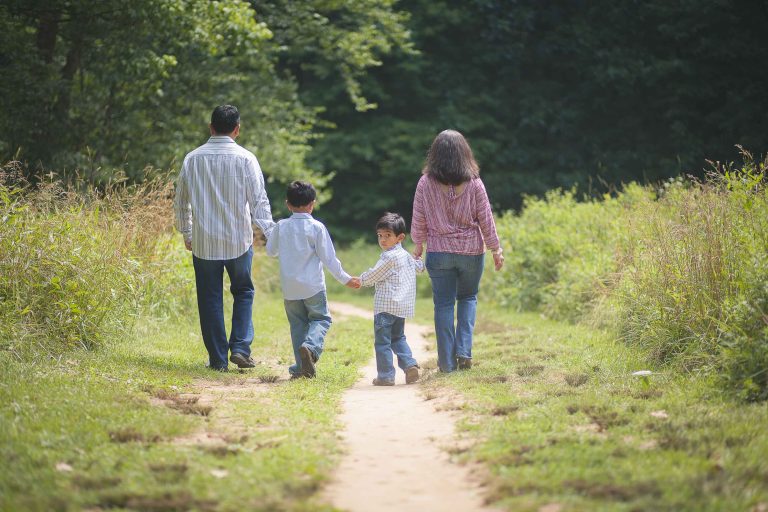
(303, 245)
(395, 278)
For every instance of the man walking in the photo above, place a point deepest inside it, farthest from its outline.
(220, 198)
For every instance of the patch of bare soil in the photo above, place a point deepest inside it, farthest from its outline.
(399, 445)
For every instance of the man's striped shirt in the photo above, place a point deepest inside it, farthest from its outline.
(220, 198)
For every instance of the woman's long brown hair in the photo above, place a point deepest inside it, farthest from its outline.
(450, 160)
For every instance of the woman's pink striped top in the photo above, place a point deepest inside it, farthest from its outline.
(459, 224)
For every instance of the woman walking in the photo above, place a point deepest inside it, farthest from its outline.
(452, 214)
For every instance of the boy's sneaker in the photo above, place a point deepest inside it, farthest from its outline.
(307, 362)
(242, 361)
(412, 374)
(383, 382)
(465, 363)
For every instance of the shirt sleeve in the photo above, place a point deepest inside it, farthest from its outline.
(256, 194)
(378, 273)
(273, 241)
(327, 254)
(419, 221)
(181, 206)
(485, 217)
(418, 264)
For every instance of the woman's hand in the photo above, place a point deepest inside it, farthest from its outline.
(498, 259)
(418, 251)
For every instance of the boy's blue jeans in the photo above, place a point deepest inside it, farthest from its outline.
(455, 280)
(309, 320)
(389, 336)
(209, 281)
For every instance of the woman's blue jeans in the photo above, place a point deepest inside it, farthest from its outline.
(455, 281)
(209, 281)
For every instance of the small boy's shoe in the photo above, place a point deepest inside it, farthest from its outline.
(307, 362)
(242, 361)
(412, 374)
(465, 363)
(383, 382)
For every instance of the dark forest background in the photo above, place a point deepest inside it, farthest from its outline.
(349, 94)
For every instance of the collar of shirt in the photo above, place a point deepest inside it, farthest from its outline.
(221, 139)
(398, 245)
(299, 215)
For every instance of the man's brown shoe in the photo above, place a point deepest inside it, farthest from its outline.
(412, 374)
(465, 363)
(383, 382)
(242, 361)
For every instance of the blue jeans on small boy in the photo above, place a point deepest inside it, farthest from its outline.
(455, 280)
(209, 281)
(389, 336)
(309, 320)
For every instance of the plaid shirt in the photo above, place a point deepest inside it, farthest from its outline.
(395, 278)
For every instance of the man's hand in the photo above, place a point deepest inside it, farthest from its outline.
(188, 244)
(353, 283)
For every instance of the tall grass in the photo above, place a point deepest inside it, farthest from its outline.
(77, 267)
(680, 271)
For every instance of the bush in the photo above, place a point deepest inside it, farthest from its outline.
(681, 272)
(77, 268)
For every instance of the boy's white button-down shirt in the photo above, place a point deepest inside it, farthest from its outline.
(395, 278)
(220, 197)
(303, 246)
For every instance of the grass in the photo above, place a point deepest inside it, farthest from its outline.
(143, 425)
(558, 418)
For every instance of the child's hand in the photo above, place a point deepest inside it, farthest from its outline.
(353, 283)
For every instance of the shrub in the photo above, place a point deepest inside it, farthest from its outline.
(681, 272)
(77, 268)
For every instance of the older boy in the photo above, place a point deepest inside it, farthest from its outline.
(303, 246)
(394, 276)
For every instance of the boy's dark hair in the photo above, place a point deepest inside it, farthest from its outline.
(393, 222)
(300, 193)
(225, 119)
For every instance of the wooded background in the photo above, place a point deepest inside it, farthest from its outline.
(350, 93)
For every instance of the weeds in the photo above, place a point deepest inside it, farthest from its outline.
(680, 271)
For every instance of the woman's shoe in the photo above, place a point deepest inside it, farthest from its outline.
(383, 382)
(412, 374)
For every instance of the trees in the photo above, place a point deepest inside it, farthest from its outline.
(112, 84)
(551, 94)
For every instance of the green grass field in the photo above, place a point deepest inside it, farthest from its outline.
(142, 425)
(558, 418)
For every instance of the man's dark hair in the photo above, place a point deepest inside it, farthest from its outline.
(393, 222)
(300, 193)
(225, 119)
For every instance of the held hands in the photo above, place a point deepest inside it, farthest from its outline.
(353, 283)
(188, 244)
(418, 251)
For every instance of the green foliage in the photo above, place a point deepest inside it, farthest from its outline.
(679, 272)
(76, 269)
(123, 85)
(549, 95)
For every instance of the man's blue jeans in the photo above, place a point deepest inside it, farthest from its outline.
(309, 320)
(389, 336)
(209, 278)
(455, 279)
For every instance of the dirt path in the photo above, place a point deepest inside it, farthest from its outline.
(394, 439)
